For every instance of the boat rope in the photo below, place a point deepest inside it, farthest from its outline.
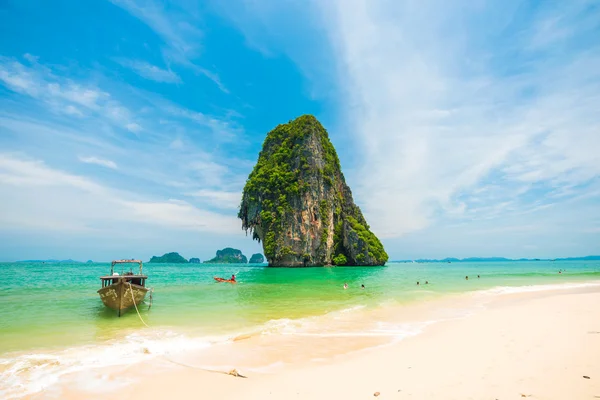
(233, 372)
(151, 291)
(136, 309)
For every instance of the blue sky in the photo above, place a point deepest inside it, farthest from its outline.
(128, 128)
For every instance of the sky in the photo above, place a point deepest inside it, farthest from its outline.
(468, 128)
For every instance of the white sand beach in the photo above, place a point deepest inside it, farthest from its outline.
(538, 345)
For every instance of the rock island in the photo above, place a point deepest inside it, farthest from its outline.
(296, 202)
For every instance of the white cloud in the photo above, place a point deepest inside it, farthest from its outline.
(213, 77)
(20, 172)
(171, 25)
(223, 130)
(62, 94)
(98, 161)
(181, 215)
(72, 110)
(177, 27)
(176, 144)
(149, 71)
(38, 196)
(31, 58)
(219, 199)
(444, 100)
(209, 172)
(133, 127)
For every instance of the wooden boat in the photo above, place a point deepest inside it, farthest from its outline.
(224, 280)
(120, 292)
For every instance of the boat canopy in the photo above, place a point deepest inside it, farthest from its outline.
(132, 261)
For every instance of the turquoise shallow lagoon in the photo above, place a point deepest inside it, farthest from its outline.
(55, 305)
(53, 323)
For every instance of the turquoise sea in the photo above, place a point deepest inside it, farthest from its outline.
(49, 312)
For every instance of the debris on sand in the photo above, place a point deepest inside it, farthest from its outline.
(235, 372)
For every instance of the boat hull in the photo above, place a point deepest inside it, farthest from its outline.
(224, 280)
(118, 296)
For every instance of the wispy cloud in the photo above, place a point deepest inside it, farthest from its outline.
(123, 107)
(86, 204)
(98, 161)
(219, 199)
(47, 115)
(177, 25)
(149, 71)
(447, 99)
(60, 94)
(133, 127)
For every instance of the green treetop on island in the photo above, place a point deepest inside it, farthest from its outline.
(228, 256)
(257, 259)
(169, 258)
(296, 202)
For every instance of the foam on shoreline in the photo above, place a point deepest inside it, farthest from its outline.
(24, 374)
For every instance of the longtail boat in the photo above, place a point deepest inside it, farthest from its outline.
(120, 292)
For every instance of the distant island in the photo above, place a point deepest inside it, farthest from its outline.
(257, 259)
(69, 261)
(498, 259)
(238, 257)
(169, 258)
(297, 204)
(228, 256)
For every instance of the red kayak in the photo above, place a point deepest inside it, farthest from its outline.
(224, 280)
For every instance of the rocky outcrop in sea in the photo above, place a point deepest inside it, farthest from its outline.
(297, 204)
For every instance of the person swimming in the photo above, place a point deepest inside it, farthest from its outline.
(478, 276)
(362, 286)
(467, 277)
(417, 283)
(427, 282)
(345, 286)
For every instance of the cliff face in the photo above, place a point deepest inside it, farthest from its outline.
(228, 256)
(296, 202)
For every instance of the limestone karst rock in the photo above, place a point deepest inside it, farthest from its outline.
(296, 202)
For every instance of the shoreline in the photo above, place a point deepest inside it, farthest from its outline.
(260, 357)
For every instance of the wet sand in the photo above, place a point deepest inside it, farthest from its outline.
(538, 345)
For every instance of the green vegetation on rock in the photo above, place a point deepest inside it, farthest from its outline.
(194, 260)
(340, 259)
(296, 202)
(228, 256)
(257, 259)
(169, 258)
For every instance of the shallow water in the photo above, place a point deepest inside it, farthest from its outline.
(52, 321)
(46, 305)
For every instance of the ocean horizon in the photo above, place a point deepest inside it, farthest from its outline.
(421, 260)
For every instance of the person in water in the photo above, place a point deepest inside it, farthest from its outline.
(478, 276)
(345, 286)
(362, 286)
(417, 283)
(427, 282)
(233, 277)
(467, 277)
